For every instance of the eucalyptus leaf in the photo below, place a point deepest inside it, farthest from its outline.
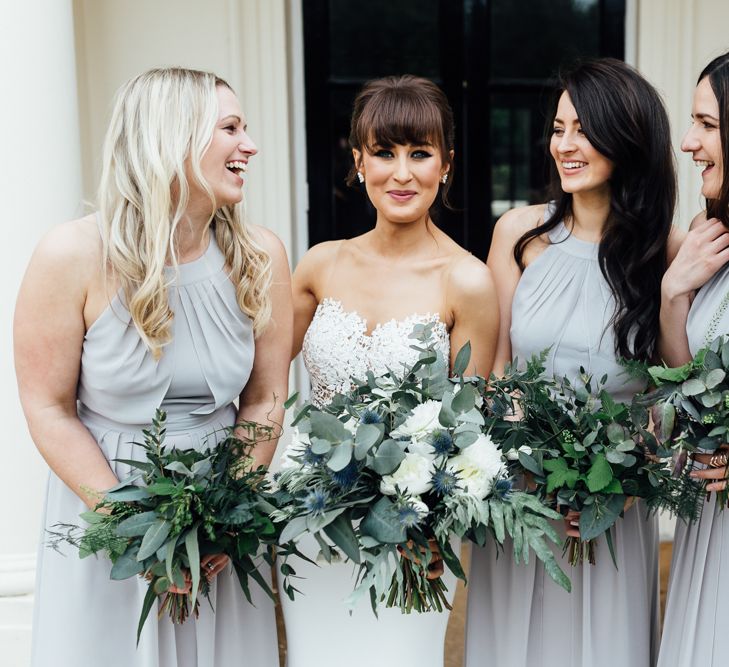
(714, 378)
(615, 432)
(128, 494)
(465, 439)
(382, 524)
(615, 456)
(320, 446)
(293, 529)
(328, 427)
(711, 399)
(136, 525)
(179, 466)
(368, 435)
(596, 518)
(341, 456)
(154, 538)
(464, 400)
(693, 387)
(126, 566)
(387, 458)
(462, 359)
(340, 532)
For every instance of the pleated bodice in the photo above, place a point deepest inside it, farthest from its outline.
(204, 369)
(564, 303)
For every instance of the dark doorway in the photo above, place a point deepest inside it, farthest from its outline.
(494, 59)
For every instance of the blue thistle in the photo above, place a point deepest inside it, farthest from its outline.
(345, 478)
(312, 459)
(369, 417)
(407, 516)
(316, 501)
(441, 442)
(502, 487)
(445, 482)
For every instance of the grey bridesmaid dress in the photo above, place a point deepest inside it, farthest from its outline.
(517, 616)
(697, 607)
(83, 618)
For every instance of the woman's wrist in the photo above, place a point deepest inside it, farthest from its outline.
(673, 293)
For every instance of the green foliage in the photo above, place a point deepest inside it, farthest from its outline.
(333, 487)
(690, 411)
(586, 451)
(180, 505)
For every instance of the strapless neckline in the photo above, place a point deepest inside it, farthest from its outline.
(407, 322)
(338, 349)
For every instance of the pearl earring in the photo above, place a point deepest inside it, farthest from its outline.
(360, 177)
(444, 179)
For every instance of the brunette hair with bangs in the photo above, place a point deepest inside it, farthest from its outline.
(399, 110)
(623, 117)
(718, 72)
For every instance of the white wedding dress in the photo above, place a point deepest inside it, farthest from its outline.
(319, 629)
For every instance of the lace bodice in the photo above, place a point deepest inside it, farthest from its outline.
(337, 348)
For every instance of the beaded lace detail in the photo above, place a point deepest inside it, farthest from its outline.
(337, 347)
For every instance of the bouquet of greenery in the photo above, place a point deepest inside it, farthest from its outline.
(180, 505)
(388, 472)
(583, 450)
(690, 411)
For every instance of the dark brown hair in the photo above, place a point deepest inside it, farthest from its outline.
(623, 117)
(718, 72)
(399, 110)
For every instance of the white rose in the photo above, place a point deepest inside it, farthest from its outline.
(422, 448)
(297, 446)
(413, 476)
(421, 422)
(478, 466)
(513, 454)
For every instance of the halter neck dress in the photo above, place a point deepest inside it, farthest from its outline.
(697, 605)
(81, 617)
(319, 628)
(517, 615)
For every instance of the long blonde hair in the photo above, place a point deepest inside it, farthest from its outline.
(160, 119)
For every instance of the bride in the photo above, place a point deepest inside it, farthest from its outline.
(356, 302)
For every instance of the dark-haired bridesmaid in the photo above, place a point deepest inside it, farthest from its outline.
(581, 275)
(694, 309)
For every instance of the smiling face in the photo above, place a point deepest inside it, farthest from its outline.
(582, 169)
(703, 140)
(224, 163)
(401, 181)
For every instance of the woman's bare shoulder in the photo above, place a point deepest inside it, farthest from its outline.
(516, 222)
(469, 276)
(75, 244)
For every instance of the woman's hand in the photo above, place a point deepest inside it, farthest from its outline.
(703, 252)
(716, 474)
(572, 524)
(210, 567)
(572, 518)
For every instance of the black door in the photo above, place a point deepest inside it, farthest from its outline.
(494, 59)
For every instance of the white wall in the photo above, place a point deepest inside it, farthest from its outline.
(676, 39)
(40, 177)
(243, 41)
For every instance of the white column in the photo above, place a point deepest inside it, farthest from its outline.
(40, 182)
(665, 55)
(260, 71)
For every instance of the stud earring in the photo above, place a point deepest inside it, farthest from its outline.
(360, 177)
(444, 179)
